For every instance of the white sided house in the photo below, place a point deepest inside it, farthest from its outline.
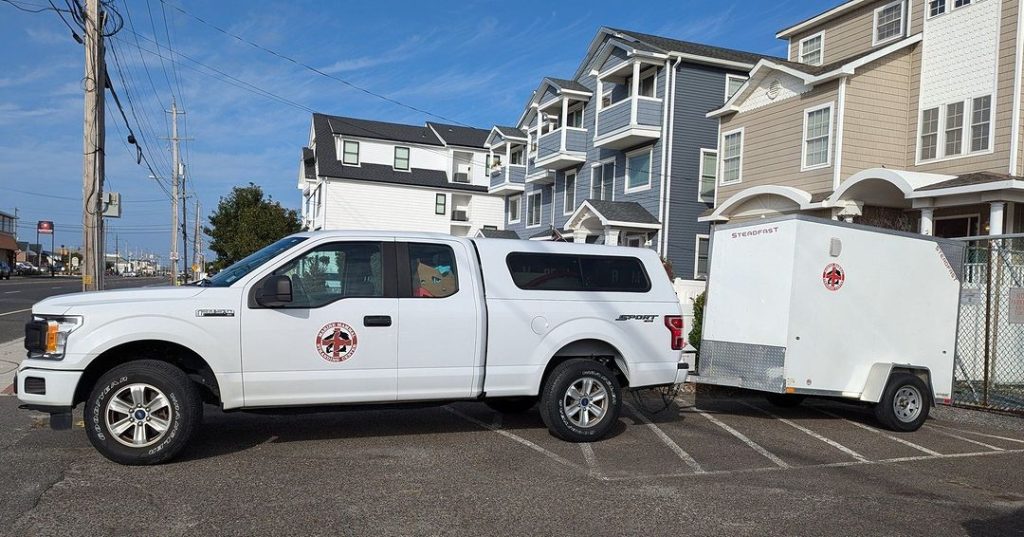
(361, 174)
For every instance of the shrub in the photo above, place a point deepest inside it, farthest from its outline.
(698, 321)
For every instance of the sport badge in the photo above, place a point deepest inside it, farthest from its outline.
(336, 342)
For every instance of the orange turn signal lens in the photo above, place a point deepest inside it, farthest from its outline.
(51, 337)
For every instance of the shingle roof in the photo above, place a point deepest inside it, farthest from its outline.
(623, 211)
(550, 232)
(667, 44)
(457, 135)
(569, 84)
(968, 179)
(510, 131)
(331, 166)
(379, 130)
(499, 234)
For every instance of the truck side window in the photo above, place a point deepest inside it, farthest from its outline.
(565, 272)
(433, 270)
(334, 271)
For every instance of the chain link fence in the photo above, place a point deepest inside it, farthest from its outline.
(989, 367)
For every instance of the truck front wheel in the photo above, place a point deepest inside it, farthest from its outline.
(580, 400)
(142, 412)
(904, 404)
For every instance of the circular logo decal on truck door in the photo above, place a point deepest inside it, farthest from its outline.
(833, 277)
(336, 342)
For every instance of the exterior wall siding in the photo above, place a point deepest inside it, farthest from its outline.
(853, 32)
(614, 118)
(648, 112)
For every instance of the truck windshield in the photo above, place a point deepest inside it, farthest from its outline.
(231, 274)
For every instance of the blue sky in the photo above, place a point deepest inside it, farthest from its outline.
(474, 62)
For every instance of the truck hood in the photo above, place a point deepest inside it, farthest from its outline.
(64, 304)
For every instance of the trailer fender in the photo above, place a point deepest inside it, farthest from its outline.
(878, 378)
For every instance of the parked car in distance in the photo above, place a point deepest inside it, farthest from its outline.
(346, 317)
(5, 270)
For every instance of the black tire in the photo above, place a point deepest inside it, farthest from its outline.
(785, 400)
(180, 417)
(511, 405)
(555, 393)
(904, 404)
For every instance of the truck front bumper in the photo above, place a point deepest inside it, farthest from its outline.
(40, 388)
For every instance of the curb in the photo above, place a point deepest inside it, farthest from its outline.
(11, 355)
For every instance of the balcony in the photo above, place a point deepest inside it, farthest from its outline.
(507, 179)
(555, 152)
(622, 125)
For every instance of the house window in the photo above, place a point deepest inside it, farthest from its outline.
(350, 153)
(440, 204)
(732, 157)
(700, 265)
(954, 128)
(961, 3)
(533, 209)
(708, 165)
(647, 84)
(401, 158)
(817, 136)
(981, 114)
(811, 52)
(638, 171)
(569, 203)
(889, 22)
(516, 157)
(602, 177)
(929, 133)
(606, 98)
(936, 7)
(514, 202)
(733, 83)
(575, 118)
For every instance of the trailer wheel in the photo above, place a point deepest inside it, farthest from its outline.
(580, 400)
(904, 404)
(142, 412)
(785, 400)
(511, 405)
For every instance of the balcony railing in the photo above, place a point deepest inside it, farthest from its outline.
(619, 122)
(552, 154)
(508, 175)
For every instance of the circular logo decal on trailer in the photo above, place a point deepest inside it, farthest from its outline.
(336, 342)
(833, 277)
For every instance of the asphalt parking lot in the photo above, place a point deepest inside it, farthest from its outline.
(707, 465)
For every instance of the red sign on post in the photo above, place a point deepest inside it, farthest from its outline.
(45, 227)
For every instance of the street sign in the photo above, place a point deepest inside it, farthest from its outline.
(45, 227)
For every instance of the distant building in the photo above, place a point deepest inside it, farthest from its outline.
(361, 174)
(8, 244)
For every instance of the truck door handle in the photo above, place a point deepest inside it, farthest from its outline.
(377, 320)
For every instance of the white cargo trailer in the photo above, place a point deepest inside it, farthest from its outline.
(800, 306)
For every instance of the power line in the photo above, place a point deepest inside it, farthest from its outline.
(145, 66)
(33, 8)
(311, 68)
(53, 196)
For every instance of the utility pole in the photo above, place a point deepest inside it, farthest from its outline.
(185, 267)
(93, 148)
(176, 168)
(198, 243)
(117, 252)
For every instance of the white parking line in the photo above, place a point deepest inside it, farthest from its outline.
(553, 456)
(976, 433)
(690, 461)
(591, 458)
(968, 440)
(11, 292)
(907, 443)
(813, 434)
(15, 311)
(743, 438)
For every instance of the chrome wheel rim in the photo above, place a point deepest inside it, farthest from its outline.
(138, 415)
(907, 404)
(585, 402)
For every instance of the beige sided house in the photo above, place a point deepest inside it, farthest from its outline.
(903, 114)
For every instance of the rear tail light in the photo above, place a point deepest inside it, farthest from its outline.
(674, 323)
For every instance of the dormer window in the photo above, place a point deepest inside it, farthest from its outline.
(402, 158)
(889, 22)
(350, 153)
(811, 50)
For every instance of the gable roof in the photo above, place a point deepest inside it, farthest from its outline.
(970, 179)
(497, 234)
(667, 44)
(379, 130)
(570, 85)
(623, 211)
(458, 135)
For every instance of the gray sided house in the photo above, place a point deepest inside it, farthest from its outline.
(622, 153)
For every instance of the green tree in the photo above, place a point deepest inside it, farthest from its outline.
(698, 321)
(246, 221)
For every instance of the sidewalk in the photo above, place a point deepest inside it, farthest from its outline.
(11, 354)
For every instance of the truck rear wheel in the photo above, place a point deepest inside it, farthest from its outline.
(904, 404)
(511, 405)
(580, 400)
(142, 412)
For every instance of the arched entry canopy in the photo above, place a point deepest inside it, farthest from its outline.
(761, 201)
(882, 187)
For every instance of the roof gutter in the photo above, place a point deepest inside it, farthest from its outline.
(696, 58)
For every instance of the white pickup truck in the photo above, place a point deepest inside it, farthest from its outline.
(333, 318)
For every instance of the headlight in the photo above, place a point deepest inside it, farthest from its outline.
(55, 338)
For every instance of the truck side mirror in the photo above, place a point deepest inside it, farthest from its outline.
(276, 291)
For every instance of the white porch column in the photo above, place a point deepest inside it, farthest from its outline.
(600, 104)
(508, 160)
(611, 236)
(579, 236)
(927, 217)
(565, 119)
(636, 91)
(995, 217)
